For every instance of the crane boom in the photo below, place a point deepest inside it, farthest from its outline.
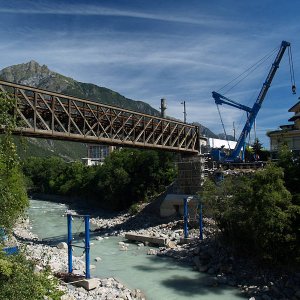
(252, 113)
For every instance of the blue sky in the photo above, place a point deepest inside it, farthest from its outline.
(150, 49)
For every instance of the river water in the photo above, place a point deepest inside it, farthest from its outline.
(159, 278)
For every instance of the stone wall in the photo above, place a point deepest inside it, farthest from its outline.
(191, 174)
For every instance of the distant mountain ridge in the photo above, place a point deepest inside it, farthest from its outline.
(39, 76)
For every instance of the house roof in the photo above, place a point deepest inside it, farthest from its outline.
(287, 126)
(295, 107)
(295, 117)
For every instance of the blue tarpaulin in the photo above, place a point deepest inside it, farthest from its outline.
(11, 250)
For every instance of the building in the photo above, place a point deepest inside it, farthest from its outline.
(218, 143)
(287, 134)
(96, 154)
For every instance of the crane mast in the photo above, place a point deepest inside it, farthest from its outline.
(252, 112)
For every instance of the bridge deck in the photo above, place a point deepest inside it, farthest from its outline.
(45, 114)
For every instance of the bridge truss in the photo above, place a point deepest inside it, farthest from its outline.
(45, 114)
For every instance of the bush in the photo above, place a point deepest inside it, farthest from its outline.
(134, 209)
(13, 197)
(255, 213)
(18, 280)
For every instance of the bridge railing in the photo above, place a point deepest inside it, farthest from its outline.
(45, 114)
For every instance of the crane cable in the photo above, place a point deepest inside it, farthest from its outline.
(248, 71)
(244, 75)
(292, 74)
(223, 126)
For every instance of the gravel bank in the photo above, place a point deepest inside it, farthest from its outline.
(57, 259)
(256, 282)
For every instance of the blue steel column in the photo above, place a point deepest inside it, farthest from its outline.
(200, 221)
(185, 217)
(87, 247)
(70, 267)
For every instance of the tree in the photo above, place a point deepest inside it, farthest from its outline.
(126, 177)
(17, 277)
(13, 196)
(290, 162)
(255, 213)
(257, 146)
(259, 152)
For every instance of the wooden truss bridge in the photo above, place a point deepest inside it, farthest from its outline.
(44, 114)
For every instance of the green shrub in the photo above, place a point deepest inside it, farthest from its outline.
(18, 280)
(256, 213)
(13, 197)
(134, 209)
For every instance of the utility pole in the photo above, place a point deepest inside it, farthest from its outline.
(233, 131)
(184, 112)
(163, 107)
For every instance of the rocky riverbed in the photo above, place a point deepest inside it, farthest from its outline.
(57, 259)
(208, 256)
(255, 281)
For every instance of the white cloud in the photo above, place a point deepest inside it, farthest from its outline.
(33, 7)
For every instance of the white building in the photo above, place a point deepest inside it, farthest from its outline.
(96, 154)
(218, 143)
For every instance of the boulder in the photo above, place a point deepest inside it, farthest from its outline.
(55, 266)
(151, 252)
(62, 245)
(171, 244)
(37, 269)
(297, 294)
(211, 281)
(203, 268)
(211, 271)
(67, 297)
(196, 260)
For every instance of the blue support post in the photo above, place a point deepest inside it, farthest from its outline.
(185, 217)
(70, 267)
(200, 222)
(87, 247)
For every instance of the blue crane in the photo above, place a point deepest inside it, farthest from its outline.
(219, 155)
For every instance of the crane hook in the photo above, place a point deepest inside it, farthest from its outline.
(294, 89)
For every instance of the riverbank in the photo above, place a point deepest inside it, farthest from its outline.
(256, 281)
(208, 256)
(57, 259)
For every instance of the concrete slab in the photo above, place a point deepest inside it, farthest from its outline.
(186, 240)
(145, 238)
(88, 284)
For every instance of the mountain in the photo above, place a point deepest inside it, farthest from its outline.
(69, 151)
(35, 75)
(206, 131)
(39, 76)
(228, 137)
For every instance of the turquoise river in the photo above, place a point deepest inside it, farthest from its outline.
(159, 278)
